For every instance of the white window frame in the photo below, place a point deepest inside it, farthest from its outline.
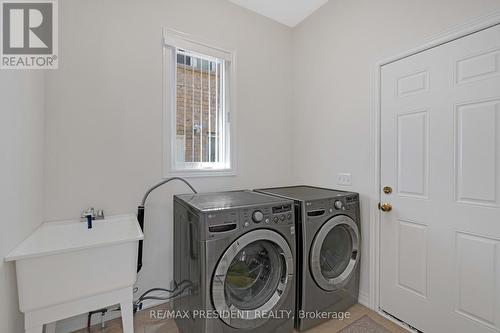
(173, 40)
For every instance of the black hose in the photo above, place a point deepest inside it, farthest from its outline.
(141, 208)
(140, 218)
(173, 294)
(91, 313)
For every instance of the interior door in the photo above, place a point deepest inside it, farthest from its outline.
(440, 163)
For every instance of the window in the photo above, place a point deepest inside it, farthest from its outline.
(198, 102)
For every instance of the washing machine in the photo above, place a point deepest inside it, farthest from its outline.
(328, 251)
(236, 252)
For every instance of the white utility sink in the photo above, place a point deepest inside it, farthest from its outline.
(64, 269)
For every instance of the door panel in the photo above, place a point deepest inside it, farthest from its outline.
(412, 257)
(413, 150)
(413, 84)
(440, 151)
(476, 278)
(476, 147)
(478, 67)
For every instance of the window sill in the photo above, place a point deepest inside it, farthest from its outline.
(201, 173)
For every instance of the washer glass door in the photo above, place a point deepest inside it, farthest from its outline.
(253, 275)
(252, 278)
(335, 253)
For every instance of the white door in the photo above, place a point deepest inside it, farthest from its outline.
(440, 154)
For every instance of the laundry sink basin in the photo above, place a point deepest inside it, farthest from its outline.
(64, 269)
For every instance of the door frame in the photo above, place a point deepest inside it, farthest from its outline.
(468, 28)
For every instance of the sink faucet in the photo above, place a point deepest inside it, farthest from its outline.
(90, 214)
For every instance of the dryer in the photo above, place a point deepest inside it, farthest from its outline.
(328, 251)
(237, 252)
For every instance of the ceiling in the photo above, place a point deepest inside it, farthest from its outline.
(288, 12)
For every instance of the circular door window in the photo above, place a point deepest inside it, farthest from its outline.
(335, 252)
(252, 277)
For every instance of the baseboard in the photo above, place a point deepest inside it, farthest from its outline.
(78, 322)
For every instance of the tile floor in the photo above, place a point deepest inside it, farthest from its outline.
(143, 323)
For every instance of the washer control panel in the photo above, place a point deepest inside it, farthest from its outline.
(280, 214)
(222, 223)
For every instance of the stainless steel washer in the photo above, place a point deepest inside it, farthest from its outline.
(328, 250)
(237, 250)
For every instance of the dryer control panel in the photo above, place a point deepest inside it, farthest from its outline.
(334, 205)
(344, 203)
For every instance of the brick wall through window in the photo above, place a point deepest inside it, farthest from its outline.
(198, 107)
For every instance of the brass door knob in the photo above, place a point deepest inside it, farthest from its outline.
(385, 207)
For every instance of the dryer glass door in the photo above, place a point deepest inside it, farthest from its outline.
(335, 253)
(252, 278)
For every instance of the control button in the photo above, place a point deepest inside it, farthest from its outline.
(289, 216)
(282, 217)
(246, 224)
(267, 220)
(338, 204)
(257, 216)
(275, 219)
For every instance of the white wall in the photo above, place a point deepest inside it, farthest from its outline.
(335, 51)
(104, 110)
(21, 177)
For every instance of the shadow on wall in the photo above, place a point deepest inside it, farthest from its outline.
(21, 176)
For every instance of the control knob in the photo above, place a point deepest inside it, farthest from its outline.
(257, 216)
(338, 204)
